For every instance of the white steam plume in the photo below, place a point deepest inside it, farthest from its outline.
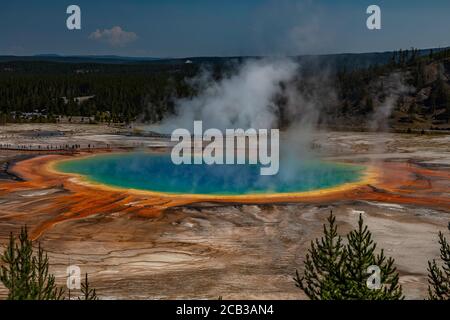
(253, 97)
(393, 88)
(242, 100)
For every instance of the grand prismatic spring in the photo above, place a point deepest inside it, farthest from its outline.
(156, 172)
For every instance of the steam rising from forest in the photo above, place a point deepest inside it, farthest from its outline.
(244, 99)
(269, 93)
(393, 87)
(274, 93)
(259, 93)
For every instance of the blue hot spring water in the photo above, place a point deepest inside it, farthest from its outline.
(156, 172)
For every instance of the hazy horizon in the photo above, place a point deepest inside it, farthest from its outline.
(50, 54)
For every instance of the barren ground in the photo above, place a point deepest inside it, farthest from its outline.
(241, 251)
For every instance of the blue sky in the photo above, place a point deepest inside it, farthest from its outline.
(181, 28)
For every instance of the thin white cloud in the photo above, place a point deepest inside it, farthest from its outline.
(116, 36)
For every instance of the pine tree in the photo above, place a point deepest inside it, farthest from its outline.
(87, 291)
(26, 275)
(439, 277)
(340, 272)
(359, 255)
(322, 278)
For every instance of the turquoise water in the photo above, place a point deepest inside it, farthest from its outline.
(156, 172)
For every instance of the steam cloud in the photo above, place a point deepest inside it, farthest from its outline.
(260, 94)
(393, 88)
(250, 98)
(242, 100)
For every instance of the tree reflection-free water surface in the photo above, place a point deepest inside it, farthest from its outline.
(156, 172)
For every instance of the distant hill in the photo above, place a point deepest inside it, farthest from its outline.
(108, 59)
(349, 61)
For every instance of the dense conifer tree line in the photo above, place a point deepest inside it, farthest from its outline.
(147, 91)
(120, 92)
